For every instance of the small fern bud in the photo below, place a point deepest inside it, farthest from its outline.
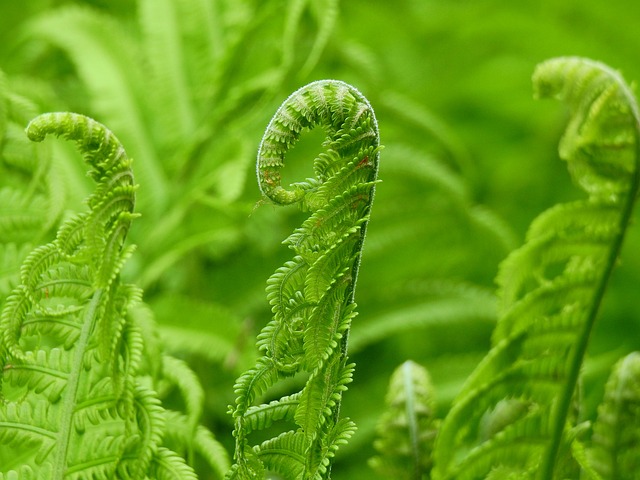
(408, 428)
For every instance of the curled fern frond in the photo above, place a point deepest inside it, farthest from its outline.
(77, 402)
(550, 291)
(60, 323)
(312, 295)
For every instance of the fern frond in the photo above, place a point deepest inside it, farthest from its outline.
(614, 452)
(11, 256)
(338, 435)
(192, 393)
(167, 465)
(24, 473)
(311, 296)
(550, 291)
(66, 310)
(28, 425)
(320, 395)
(284, 455)
(407, 430)
(149, 426)
(260, 417)
(41, 371)
(254, 383)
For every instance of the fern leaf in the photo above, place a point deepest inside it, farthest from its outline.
(41, 371)
(74, 281)
(253, 383)
(550, 290)
(311, 296)
(320, 396)
(169, 466)
(191, 391)
(150, 428)
(28, 425)
(339, 434)
(284, 454)
(260, 417)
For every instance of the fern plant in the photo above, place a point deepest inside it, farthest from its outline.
(79, 362)
(615, 443)
(185, 85)
(312, 295)
(175, 72)
(407, 430)
(550, 293)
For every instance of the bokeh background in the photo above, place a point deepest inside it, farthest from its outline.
(470, 159)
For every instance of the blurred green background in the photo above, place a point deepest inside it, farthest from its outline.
(470, 159)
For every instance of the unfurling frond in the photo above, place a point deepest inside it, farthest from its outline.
(513, 417)
(312, 295)
(61, 324)
(75, 402)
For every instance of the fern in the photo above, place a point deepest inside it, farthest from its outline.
(614, 452)
(550, 293)
(164, 80)
(75, 403)
(407, 431)
(312, 295)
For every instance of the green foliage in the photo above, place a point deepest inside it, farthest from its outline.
(31, 192)
(312, 295)
(614, 452)
(75, 400)
(188, 86)
(550, 292)
(407, 430)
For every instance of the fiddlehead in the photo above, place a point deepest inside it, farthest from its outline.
(550, 291)
(64, 328)
(312, 295)
(75, 404)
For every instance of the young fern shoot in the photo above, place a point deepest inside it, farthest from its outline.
(408, 427)
(312, 295)
(75, 398)
(514, 414)
(615, 443)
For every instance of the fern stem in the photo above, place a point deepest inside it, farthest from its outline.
(549, 460)
(70, 397)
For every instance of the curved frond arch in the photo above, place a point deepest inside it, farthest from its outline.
(312, 295)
